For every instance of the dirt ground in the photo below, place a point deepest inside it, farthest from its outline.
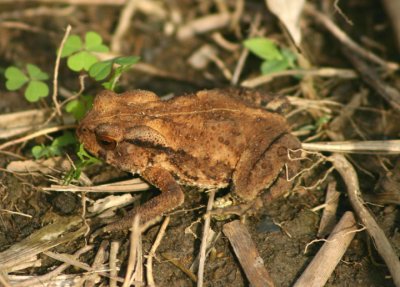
(341, 108)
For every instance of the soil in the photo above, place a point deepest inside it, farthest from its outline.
(31, 33)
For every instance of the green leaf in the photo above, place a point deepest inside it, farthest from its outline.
(36, 90)
(307, 128)
(79, 107)
(100, 70)
(66, 139)
(268, 67)
(93, 42)
(290, 57)
(85, 157)
(130, 60)
(38, 151)
(108, 85)
(15, 78)
(323, 120)
(263, 48)
(35, 73)
(81, 61)
(72, 45)
(76, 108)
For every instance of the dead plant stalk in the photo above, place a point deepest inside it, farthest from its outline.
(382, 243)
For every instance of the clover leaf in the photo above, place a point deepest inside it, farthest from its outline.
(35, 73)
(93, 43)
(82, 60)
(72, 44)
(15, 78)
(35, 89)
(81, 55)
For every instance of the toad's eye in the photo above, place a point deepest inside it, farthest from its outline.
(106, 142)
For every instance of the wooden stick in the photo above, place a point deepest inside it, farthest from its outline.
(328, 219)
(123, 25)
(133, 248)
(382, 244)
(56, 68)
(203, 245)
(366, 147)
(160, 235)
(113, 263)
(321, 72)
(36, 134)
(246, 252)
(321, 267)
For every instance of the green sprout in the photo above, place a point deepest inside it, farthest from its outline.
(101, 70)
(79, 107)
(274, 59)
(81, 55)
(85, 160)
(318, 125)
(34, 77)
(56, 148)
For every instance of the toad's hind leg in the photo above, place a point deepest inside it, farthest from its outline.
(171, 197)
(260, 165)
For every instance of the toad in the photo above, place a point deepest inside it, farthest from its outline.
(209, 139)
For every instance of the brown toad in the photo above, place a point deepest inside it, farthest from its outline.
(208, 139)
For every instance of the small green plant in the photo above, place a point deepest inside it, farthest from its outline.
(85, 160)
(36, 88)
(81, 53)
(55, 148)
(318, 125)
(81, 56)
(274, 59)
(101, 70)
(79, 107)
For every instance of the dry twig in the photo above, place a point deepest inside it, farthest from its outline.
(254, 30)
(130, 185)
(246, 251)
(321, 267)
(203, 25)
(328, 218)
(133, 250)
(98, 262)
(381, 241)
(365, 147)
(149, 273)
(54, 273)
(36, 134)
(123, 25)
(321, 72)
(56, 68)
(113, 263)
(203, 246)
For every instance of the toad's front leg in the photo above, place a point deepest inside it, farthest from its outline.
(171, 197)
